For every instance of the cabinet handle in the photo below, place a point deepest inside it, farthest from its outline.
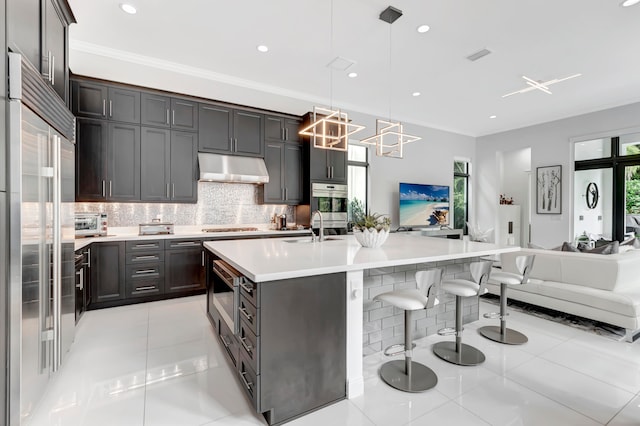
(331, 172)
(167, 190)
(282, 133)
(89, 257)
(110, 187)
(81, 285)
(173, 190)
(104, 190)
(110, 108)
(145, 245)
(173, 117)
(167, 116)
(225, 342)
(286, 133)
(328, 172)
(235, 143)
(202, 257)
(247, 288)
(246, 314)
(248, 348)
(147, 287)
(286, 194)
(188, 243)
(247, 384)
(151, 256)
(145, 271)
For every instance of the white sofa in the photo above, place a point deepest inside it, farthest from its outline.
(605, 288)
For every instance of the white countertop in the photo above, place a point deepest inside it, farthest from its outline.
(130, 233)
(275, 258)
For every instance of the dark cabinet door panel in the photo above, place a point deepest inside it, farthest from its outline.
(107, 272)
(214, 124)
(23, 28)
(293, 176)
(124, 162)
(124, 105)
(291, 128)
(156, 152)
(91, 154)
(184, 114)
(318, 167)
(273, 128)
(54, 49)
(184, 157)
(273, 158)
(155, 110)
(89, 100)
(338, 163)
(247, 128)
(184, 270)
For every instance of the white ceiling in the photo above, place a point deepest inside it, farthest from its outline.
(542, 39)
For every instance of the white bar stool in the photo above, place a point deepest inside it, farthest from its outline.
(457, 352)
(408, 375)
(502, 334)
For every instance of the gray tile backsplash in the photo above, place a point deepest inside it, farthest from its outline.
(383, 325)
(218, 204)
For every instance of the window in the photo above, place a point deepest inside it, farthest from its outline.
(460, 195)
(357, 177)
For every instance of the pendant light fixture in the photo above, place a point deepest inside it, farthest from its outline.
(390, 137)
(330, 128)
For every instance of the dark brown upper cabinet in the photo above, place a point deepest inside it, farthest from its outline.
(164, 111)
(38, 29)
(281, 128)
(95, 100)
(226, 130)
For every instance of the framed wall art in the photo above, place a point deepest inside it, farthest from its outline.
(549, 190)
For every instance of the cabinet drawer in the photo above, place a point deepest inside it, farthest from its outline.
(249, 315)
(249, 381)
(249, 290)
(146, 271)
(229, 342)
(144, 287)
(186, 243)
(249, 346)
(144, 257)
(145, 245)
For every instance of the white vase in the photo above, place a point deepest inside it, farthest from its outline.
(370, 237)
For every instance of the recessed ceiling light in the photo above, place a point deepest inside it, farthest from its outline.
(627, 3)
(352, 74)
(130, 9)
(262, 48)
(493, 116)
(416, 94)
(424, 28)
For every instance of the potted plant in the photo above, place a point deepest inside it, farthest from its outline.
(371, 230)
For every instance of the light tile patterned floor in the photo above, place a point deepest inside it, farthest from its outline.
(160, 364)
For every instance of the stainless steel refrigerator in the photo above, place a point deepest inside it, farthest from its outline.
(42, 232)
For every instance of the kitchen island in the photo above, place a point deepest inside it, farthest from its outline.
(313, 272)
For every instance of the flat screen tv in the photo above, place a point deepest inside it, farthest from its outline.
(423, 205)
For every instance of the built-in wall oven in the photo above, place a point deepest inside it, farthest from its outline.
(226, 293)
(331, 200)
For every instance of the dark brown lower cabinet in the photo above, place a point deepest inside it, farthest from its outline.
(107, 272)
(290, 350)
(184, 269)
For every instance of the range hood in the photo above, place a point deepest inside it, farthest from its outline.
(232, 168)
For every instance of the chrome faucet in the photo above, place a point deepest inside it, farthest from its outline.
(321, 232)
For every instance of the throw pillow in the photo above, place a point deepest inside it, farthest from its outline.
(634, 242)
(611, 248)
(569, 247)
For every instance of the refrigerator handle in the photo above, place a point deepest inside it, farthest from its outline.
(57, 252)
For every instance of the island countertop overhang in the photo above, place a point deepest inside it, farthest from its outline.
(279, 258)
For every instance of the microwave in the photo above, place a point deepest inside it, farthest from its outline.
(91, 224)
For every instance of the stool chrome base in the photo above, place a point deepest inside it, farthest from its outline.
(467, 356)
(422, 378)
(509, 337)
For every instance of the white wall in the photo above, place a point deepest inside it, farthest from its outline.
(550, 145)
(427, 161)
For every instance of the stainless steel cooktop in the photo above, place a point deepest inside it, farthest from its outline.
(229, 229)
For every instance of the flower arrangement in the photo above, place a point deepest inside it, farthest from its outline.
(371, 230)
